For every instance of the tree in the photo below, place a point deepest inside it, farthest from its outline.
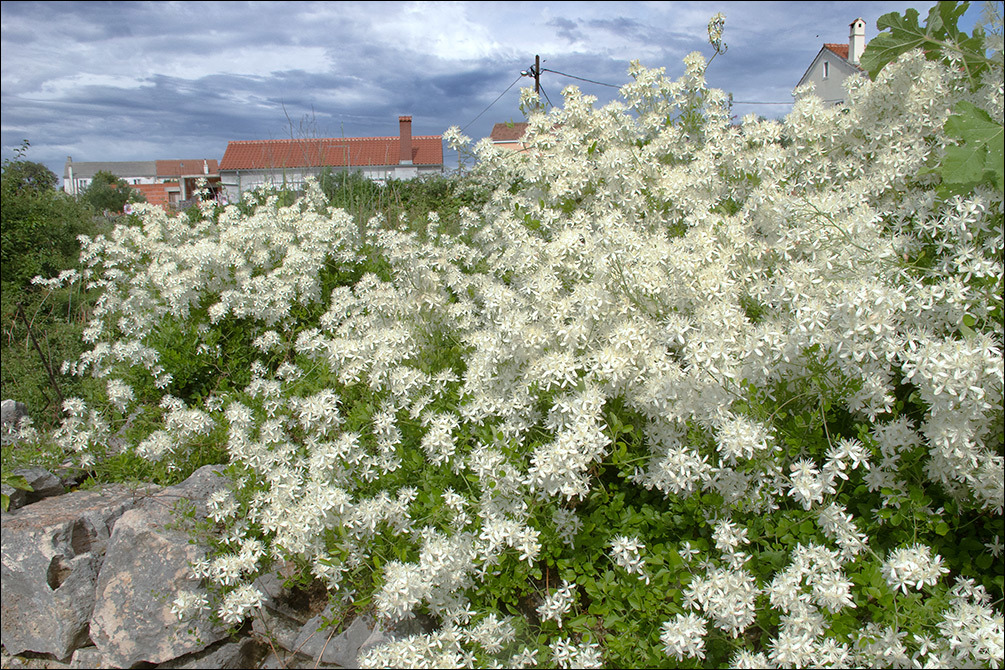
(28, 176)
(108, 193)
(22, 176)
(38, 223)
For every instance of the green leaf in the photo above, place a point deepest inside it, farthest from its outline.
(905, 34)
(942, 528)
(979, 154)
(939, 36)
(18, 482)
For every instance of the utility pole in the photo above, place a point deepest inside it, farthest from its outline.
(535, 71)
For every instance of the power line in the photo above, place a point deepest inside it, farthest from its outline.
(546, 96)
(492, 103)
(572, 76)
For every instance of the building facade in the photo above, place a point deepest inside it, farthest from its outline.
(834, 63)
(169, 183)
(247, 165)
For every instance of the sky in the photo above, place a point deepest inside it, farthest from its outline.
(117, 81)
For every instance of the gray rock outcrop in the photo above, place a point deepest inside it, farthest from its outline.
(43, 483)
(51, 553)
(89, 578)
(146, 567)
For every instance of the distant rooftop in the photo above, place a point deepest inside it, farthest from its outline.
(329, 151)
(508, 132)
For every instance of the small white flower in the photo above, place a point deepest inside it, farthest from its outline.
(625, 551)
(684, 636)
(557, 604)
(912, 566)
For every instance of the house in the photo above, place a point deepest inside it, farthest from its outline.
(169, 183)
(77, 176)
(181, 178)
(836, 62)
(508, 135)
(249, 164)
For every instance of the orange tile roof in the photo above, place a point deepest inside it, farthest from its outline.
(329, 151)
(508, 132)
(187, 166)
(839, 49)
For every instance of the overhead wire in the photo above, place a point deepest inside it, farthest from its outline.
(492, 103)
(545, 94)
(572, 76)
(600, 83)
(590, 81)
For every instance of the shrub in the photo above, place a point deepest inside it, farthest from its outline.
(678, 391)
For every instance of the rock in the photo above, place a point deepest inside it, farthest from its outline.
(51, 554)
(278, 622)
(421, 624)
(93, 574)
(44, 484)
(146, 566)
(317, 642)
(88, 657)
(283, 660)
(11, 412)
(225, 655)
(277, 628)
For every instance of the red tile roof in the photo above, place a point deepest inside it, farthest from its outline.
(508, 132)
(839, 49)
(187, 166)
(330, 151)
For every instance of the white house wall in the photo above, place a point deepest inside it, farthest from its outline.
(830, 88)
(236, 182)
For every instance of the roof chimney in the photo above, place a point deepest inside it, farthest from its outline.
(856, 40)
(405, 143)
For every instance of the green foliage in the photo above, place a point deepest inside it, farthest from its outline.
(39, 225)
(978, 157)
(27, 176)
(56, 321)
(940, 38)
(108, 193)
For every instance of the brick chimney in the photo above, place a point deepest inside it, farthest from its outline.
(856, 40)
(405, 141)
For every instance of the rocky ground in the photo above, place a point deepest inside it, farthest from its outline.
(89, 578)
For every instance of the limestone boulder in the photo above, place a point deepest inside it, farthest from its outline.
(43, 483)
(51, 554)
(146, 567)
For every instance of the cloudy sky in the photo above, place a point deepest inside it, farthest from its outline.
(160, 80)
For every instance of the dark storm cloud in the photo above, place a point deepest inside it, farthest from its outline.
(566, 29)
(139, 80)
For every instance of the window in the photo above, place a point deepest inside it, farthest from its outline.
(827, 69)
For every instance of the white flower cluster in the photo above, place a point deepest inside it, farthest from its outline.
(727, 597)
(557, 604)
(649, 253)
(912, 566)
(684, 636)
(626, 553)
